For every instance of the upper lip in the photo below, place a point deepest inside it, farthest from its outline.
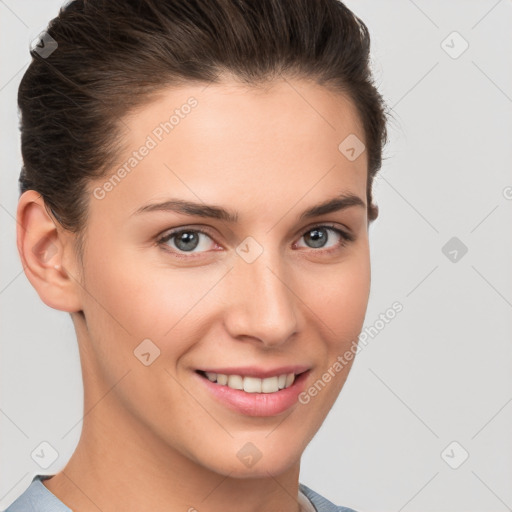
(258, 372)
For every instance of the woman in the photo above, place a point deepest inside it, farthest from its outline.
(251, 132)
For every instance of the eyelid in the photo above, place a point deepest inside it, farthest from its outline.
(169, 233)
(346, 231)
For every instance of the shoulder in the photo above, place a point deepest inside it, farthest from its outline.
(37, 498)
(322, 504)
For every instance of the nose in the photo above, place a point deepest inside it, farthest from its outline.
(261, 304)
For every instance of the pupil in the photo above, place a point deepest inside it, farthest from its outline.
(318, 239)
(185, 238)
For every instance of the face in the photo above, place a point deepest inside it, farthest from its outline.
(249, 287)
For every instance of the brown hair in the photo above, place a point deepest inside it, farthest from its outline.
(110, 56)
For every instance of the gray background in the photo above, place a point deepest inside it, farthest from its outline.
(441, 371)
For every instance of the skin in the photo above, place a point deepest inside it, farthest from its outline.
(152, 438)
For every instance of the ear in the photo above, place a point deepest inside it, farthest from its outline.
(373, 212)
(47, 254)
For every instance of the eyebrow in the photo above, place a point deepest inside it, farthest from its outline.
(183, 207)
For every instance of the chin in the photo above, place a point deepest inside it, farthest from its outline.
(249, 462)
(260, 469)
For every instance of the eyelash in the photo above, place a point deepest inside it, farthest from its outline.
(346, 238)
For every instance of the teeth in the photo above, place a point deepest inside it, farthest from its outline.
(235, 382)
(211, 376)
(270, 385)
(222, 379)
(253, 384)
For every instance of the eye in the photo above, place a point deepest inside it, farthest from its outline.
(184, 240)
(317, 238)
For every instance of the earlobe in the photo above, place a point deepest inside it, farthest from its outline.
(44, 248)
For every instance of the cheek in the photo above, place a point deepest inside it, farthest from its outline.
(338, 308)
(338, 297)
(129, 299)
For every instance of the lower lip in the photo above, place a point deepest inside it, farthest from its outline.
(256, 404)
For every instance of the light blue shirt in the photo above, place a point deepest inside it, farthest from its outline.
(37, 498)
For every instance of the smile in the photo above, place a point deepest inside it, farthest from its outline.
(252, 391)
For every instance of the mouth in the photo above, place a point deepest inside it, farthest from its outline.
(252, 384)
(253, 392)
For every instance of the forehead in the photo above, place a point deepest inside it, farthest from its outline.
(234, 142)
